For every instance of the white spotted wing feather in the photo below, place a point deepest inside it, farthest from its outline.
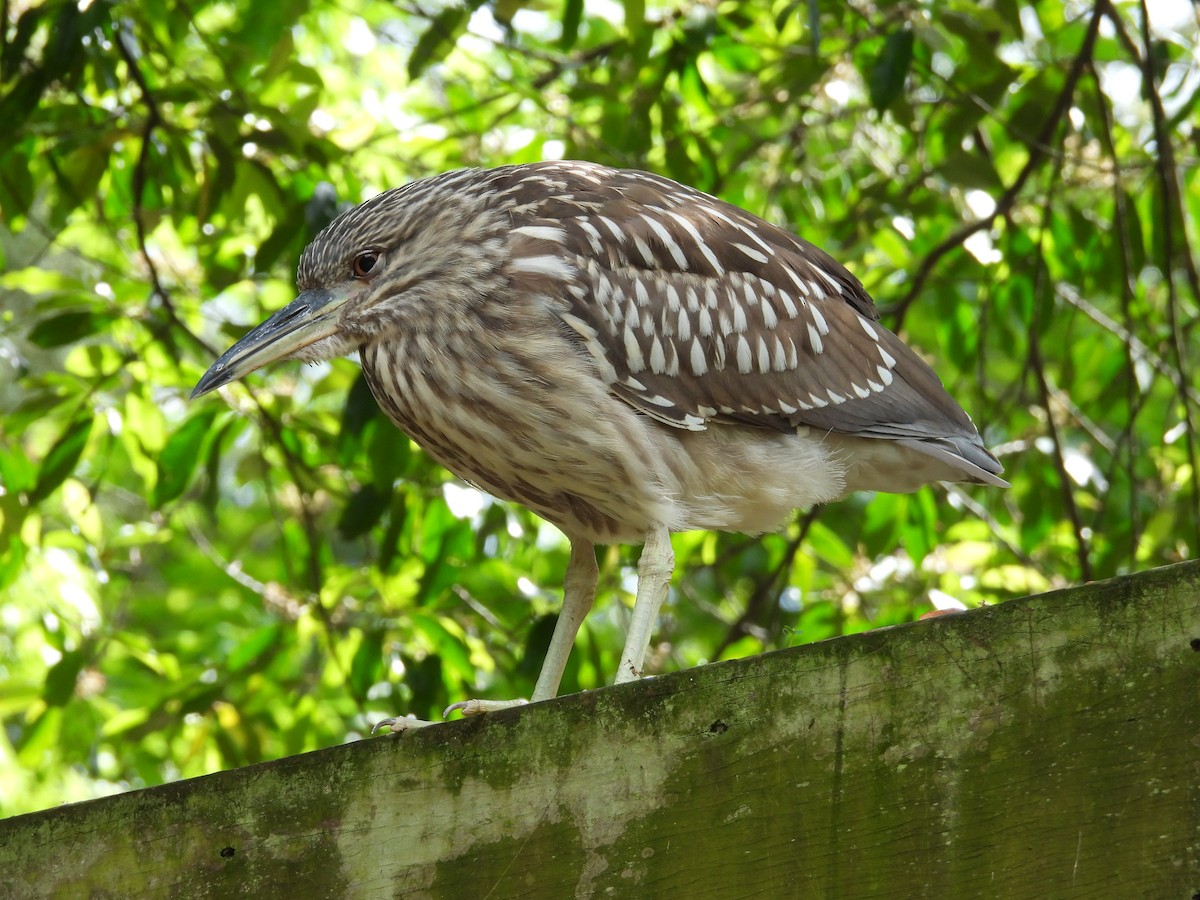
(698, 314)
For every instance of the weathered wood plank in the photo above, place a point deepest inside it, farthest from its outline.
(1048, 747)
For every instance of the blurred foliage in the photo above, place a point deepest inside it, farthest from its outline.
(194, 586)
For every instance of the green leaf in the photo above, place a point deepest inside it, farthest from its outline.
(17, 471)
(886, 80)
(252, 653)
(969, 170)
(389, 545)
(572, 15)
(735, 56)
(69, 327)
(635, 15)
(20, 101)
(828, 546)
(388, 450)
(448, 644)
(360, 409)
(322, 208)
(179, 456)
(263, 25)
(82, 170)
(424, 678)
(366, 668)
(61, 460)
(537, 642)
(786, 12)
(439, 38)
(1135, 240)
(1034, 102)
(363, 511)
(16, 188)
(12, 553)
(14, 54)
(918, 530)
(283, 241)
(61, 678)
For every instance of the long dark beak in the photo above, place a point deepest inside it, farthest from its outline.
(307, 319)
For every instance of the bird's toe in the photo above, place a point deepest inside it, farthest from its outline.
(475, 707)
(401, 724)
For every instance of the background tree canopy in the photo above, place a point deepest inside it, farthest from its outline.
(190, 586)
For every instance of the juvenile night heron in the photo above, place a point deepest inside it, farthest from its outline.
(625, 356)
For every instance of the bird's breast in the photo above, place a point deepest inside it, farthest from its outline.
(533, 423)
(523, 418)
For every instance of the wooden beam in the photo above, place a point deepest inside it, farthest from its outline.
(1046, 747)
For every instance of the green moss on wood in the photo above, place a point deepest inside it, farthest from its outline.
(1046, 747)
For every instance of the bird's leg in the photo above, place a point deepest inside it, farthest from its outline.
(655, 568)
(579, 591)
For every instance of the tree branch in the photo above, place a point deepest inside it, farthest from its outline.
(1038, 153)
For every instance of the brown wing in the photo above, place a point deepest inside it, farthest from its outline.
(697, 312)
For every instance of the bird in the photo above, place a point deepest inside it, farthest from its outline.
(624, 355)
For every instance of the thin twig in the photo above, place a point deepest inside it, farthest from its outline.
(767, 588)
(1006, 201)
(1172, 208)
(1038, 366)
(1128, 291)
(153, 120)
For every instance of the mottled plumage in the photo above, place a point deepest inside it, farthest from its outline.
(622, 354)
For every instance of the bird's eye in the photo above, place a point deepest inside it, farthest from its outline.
(364, 263)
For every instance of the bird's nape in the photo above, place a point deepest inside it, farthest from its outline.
(624, 355)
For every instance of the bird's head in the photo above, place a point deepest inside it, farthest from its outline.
(410, 259)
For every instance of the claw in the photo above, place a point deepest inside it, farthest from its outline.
(475, 707)
(401, 724)
(404, 724)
